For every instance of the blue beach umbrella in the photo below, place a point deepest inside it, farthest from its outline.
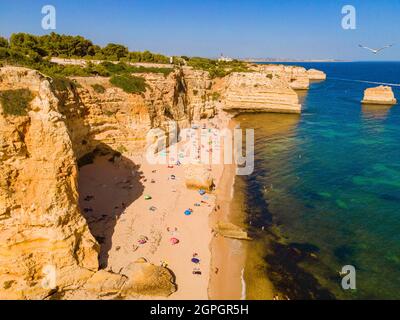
(195, 260)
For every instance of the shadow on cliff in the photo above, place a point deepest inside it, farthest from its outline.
(108, 184)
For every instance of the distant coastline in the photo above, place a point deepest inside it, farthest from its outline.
(264, 60)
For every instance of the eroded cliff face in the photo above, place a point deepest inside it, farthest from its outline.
(297, 77)
(46, 248)
(41, 227)
(379, 95)
(121, 120)
(259, 92)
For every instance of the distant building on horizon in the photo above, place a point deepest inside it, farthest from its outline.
(222, 58)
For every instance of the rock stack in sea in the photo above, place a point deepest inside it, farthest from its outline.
(314, 74)
(380, 95)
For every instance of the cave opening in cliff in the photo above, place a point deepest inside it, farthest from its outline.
(108, 183)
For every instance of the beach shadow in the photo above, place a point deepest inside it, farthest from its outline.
(108, 183)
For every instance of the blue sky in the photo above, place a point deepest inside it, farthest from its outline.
(303, 29)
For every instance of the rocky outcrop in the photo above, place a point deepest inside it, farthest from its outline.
(259, 92)
(314, 74)
(202, 100)
(138, 279)
(104, 284)
(113, 117)
(379, 95)
(296, 77)
(229, 230)
(197, 176)
(146, 279)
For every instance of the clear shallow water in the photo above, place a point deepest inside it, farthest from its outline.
(327, 185)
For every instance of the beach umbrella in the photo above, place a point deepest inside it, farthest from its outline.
(174, 241)
(142, 239)
(188, 212)
(202, 192)
(147, 197)
(195, 260)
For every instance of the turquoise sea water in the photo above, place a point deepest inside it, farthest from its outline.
(327, 186)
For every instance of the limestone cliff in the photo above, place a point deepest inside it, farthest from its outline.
(41, 228)
(296, 77)
(314, 74)
(259, 92)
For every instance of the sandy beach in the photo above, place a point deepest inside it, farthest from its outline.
(136, 210)
(228, 255)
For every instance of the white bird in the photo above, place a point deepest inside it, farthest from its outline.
(376, 51)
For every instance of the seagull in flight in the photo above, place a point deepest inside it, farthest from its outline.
(376, 51)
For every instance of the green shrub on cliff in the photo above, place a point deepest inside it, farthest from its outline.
(218, 69)
(16, 102)
(107, 69)
(34, 52)
(147, 56)
(98, 88)
(3, 42)
(164, 71)
(121, 149)
(64, 46)
(215, 96)
(128, 83)
(114, 51)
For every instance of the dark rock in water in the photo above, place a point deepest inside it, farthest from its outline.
(344, 253)
(289, 278)
(229, 230)
(256, 204)
(307, 248)
(283, 268)
(389, 197)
